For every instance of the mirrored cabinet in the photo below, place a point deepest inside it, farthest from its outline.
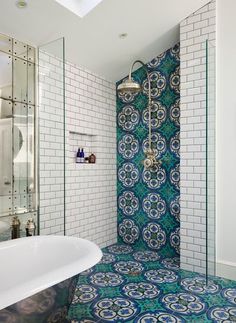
(18, 193)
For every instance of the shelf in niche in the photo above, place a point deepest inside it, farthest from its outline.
(79, 139)
(82, 133)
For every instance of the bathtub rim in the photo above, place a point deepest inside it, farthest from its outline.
(31, 287)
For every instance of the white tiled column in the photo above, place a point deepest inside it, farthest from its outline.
(91, 189)
(194, 31)
(90, 124)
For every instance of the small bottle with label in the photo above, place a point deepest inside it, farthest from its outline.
(92, 159)
(82, 155)
(78, 156)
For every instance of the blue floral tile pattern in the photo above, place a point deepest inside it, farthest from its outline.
(222, 314)
(158, 145)
(141, 290)
(129, 231)
(128, 118)
(84, 294)
(159, 316)
(154, 206)
(120, 249)
(149, 288)
(128, 203)
(154, 177)
(150, 196)
(171, 263)
(158, 115)
(146, 256)
(230, 295)
(107, 258)
(128, 267)
(184, 304)
(158, 84)
(128, 174)
(161, 276)
(199, 285)
(154, 236)
(115, 309)
(128, 146)
(104, 279)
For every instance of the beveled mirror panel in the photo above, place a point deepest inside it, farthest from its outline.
(5, 109)
(6, 151)
(20, 204)
(31, 83)
(5, 205)
(20, 148)
(31, 149)
(5, 76)
(32, 203)
(20, 49)
(18, 192)
(5, 44)
(20, 80)
(31, 54)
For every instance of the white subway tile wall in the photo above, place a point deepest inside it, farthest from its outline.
(194, 31)
(91, 210)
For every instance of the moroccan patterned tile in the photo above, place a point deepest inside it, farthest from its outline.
(138, 285)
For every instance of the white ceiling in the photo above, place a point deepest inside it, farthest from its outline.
(93, 41)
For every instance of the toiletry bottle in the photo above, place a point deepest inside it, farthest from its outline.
(30, 228)
(78, 156)
(92, 159)
(82, 155)
(15, 228)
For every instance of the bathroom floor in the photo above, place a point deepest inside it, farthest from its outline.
(131, 285)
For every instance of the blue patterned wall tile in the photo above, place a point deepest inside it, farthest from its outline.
(148, 200)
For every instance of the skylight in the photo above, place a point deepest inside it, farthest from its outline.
(80, 7)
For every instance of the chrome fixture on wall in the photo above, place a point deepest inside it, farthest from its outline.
(131, 86)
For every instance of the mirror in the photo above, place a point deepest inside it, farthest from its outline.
(5, 76)
(5, 44)
(20, 49)
(31, 83)
(20, 148)
(19, 80)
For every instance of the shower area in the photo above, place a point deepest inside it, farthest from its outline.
(148, 193)
(141, 197)
(150, 271)
(146, 182)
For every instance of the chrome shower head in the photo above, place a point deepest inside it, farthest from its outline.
(129, 86)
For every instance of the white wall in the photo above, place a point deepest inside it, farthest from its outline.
(226, 135)
(90, 123)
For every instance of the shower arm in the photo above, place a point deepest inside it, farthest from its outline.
(149, 99)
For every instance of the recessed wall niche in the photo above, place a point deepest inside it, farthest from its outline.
(82, 140)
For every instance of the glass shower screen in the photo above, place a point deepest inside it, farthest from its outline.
(51, 68)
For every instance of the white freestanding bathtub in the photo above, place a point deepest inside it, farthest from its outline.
(33, 264)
